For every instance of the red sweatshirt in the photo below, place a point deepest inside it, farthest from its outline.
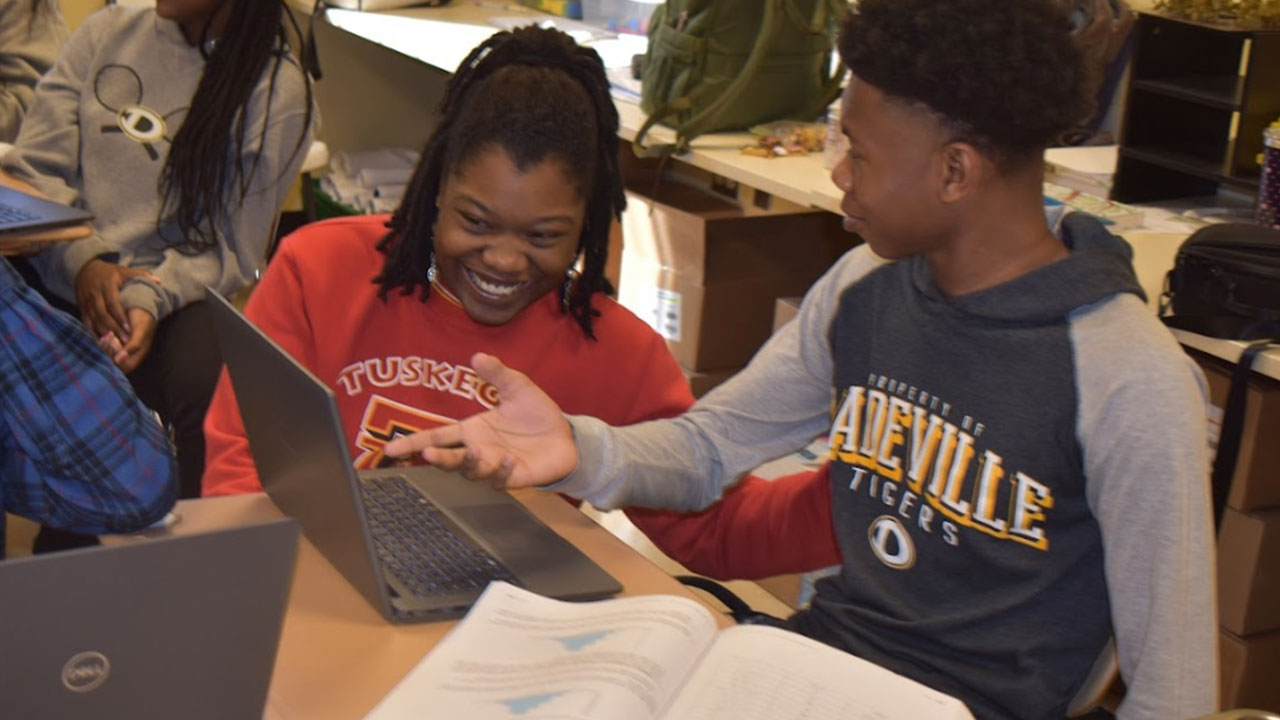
(401, 366)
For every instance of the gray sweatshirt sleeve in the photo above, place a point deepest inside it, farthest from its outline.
(1143, 430)
(29, 43)
(49, 141)
(777, 404)
(48, 146)
(234, 263)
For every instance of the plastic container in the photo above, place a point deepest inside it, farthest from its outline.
(1268, 214)
(836, 144)
(626, 16)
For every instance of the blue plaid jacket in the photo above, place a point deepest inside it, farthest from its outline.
(78, 451)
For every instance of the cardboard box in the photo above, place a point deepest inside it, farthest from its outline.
(1249, 572)
(707, 328)
(711, 240)
(784, 309)
(1256, 483)
(1249, 669)
(701, 383)
(705, 275)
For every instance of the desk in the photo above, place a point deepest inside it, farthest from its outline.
(28, 243)
(338, 657)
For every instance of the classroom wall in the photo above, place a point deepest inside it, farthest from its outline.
(371, 97)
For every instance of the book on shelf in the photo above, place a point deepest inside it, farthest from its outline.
(650, 657)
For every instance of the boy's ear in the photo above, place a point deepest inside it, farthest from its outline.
(962, 170)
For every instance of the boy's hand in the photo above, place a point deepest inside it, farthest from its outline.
(523, 442)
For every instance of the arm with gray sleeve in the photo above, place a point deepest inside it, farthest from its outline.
(1141, 423)
(776, 405)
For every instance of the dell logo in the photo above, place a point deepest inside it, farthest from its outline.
(85, 671)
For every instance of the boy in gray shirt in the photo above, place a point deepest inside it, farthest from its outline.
(1018, 447)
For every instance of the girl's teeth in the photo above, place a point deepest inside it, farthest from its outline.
(491, 288)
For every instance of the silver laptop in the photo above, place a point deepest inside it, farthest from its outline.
(183, 626)
(419, 543)
(20, 212)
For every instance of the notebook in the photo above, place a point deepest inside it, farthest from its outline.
(419, 543)
(20, 212)
(186, 623)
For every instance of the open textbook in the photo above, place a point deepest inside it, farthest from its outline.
(649, 657)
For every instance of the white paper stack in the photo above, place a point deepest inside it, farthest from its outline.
(371, 181)
(1087, 168)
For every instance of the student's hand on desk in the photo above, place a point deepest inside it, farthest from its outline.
(98, 295)
(523, 442)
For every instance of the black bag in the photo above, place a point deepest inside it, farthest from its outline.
(1225, 283)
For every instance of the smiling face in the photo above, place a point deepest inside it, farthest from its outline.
(893, 173)
(504, 238)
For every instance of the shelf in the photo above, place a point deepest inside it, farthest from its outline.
(1190, 164)
(1225, 92)
(1198, 99)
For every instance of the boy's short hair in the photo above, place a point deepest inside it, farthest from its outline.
(1003, 75)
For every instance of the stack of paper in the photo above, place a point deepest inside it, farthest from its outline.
(1088, 169)
(1117, 216)
(371, 181)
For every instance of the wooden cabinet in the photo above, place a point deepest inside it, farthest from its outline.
(1198, 99)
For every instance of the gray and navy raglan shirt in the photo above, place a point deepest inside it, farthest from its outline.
(97, 135)
(1016, 475)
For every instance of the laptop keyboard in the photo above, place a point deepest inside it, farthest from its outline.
(416, 542)
(10, 214)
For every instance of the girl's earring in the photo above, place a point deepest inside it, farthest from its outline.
(566, 289)
(431, 271)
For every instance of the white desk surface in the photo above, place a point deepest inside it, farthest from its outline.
(442, 37)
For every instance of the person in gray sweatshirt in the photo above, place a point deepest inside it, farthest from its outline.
(1018, 447)
(181, 128)
(31, 34)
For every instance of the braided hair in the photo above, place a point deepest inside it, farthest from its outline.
(205, 173)
(535, 93)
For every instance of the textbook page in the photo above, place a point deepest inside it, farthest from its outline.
(520, 655)
(754, 672)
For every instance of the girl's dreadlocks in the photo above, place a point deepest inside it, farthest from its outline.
(205, 174)
(535, 93)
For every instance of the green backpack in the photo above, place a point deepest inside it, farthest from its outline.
(729, 64)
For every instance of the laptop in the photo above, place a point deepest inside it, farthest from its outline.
(183, 626)
(20, 212)
(419, 543)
